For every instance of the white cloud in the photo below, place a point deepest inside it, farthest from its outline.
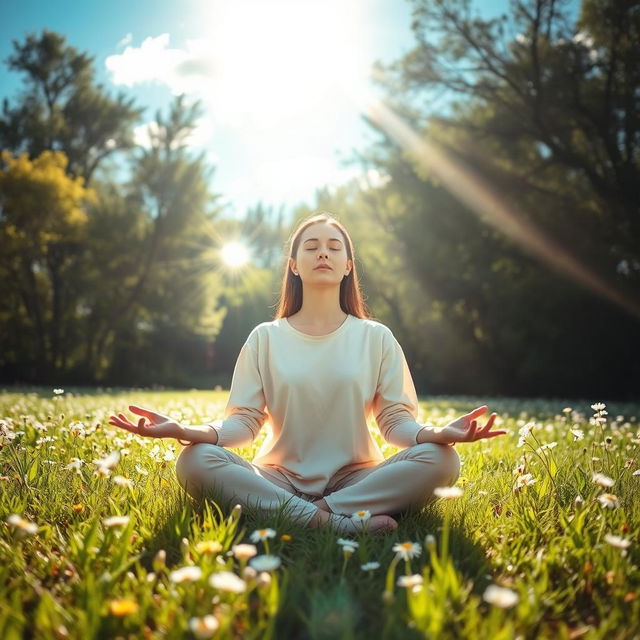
(290, 180)
(125, 41)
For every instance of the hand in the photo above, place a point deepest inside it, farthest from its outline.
(465, 428)
(159, 426)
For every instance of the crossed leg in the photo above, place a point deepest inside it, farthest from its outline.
(405, 480)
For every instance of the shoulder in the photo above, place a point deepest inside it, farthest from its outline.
(374, 329)
(262, 331)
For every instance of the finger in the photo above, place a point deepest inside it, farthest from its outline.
(478, 411)
(142, 412)
(125, 419)
(141, 423)
(118, 423)
(492, 419)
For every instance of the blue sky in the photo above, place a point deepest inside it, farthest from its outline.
(281, 81)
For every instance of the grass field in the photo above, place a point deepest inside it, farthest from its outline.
(542, 543)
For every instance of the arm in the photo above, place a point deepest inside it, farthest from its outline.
(395, 404)
(244, 414)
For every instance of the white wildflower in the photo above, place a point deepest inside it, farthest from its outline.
(617, 541)
(204, 627)
(185, 574)
(500, 596)
(116, 521)
(407, 550)
(602, 480)
(447, 492)
(262, 534)
(265, 563)
(227, 581)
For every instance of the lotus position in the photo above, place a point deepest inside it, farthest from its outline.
(315, 374)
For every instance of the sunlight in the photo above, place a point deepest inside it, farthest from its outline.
(485, 201)
(235, 254)
(286, 60)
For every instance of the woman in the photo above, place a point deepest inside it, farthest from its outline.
(316, 373)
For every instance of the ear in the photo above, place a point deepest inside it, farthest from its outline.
(292, 265)
(349, 266)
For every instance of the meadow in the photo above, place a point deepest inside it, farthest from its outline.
(538, 539)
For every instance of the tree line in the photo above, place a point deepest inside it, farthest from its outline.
(500, 240)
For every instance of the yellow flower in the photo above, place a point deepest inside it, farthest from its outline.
(122, 607)
(285, 537)
(78, 507)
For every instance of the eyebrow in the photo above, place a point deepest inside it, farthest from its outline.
(316, 239)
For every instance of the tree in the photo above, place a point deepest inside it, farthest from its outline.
(62, 109)
(43, 222)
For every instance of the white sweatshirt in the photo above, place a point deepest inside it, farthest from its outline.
(317, 393)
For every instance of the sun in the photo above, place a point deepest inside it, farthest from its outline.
(282, 59)
(235, 254)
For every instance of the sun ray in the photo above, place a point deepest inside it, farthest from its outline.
(482, 199)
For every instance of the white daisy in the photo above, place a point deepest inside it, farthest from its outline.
(185, 574)
(525, 480)
(204, 627)
(617, 541)
(602, 480)
(500, 596)
(361, 516)
(447, 492)
(608, 500)
(25, 527)
(116, 521)
(227, 581)
(370, 566)
(410, 581)
(121, 481)
(407, 550)
(244, 550)
(345, 542)
(265, 563)
(262, 534)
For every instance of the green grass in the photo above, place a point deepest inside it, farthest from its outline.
(65, 580)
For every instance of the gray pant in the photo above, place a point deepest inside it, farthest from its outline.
(403, 481)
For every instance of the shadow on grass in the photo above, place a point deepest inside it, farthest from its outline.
(323, 596)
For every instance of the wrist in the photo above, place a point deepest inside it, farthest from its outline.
(197, 433)
(432, 434)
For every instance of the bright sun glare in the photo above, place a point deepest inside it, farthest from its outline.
(235, 254)
(287, 58)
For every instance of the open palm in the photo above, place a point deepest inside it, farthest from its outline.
(158, 426)
(465, 428)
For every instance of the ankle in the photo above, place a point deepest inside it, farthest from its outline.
(319, 518)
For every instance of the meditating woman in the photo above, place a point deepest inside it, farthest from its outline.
(315, 374)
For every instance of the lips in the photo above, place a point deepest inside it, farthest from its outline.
(323, 266)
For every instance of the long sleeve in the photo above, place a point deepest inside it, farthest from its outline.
(395, 405)
(244, 415)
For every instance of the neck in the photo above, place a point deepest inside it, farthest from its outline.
(321, 307)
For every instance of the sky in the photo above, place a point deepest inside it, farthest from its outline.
(282, 83)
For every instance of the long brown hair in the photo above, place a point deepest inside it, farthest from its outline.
(351, 299)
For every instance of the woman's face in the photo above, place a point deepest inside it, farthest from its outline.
(321, 244)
